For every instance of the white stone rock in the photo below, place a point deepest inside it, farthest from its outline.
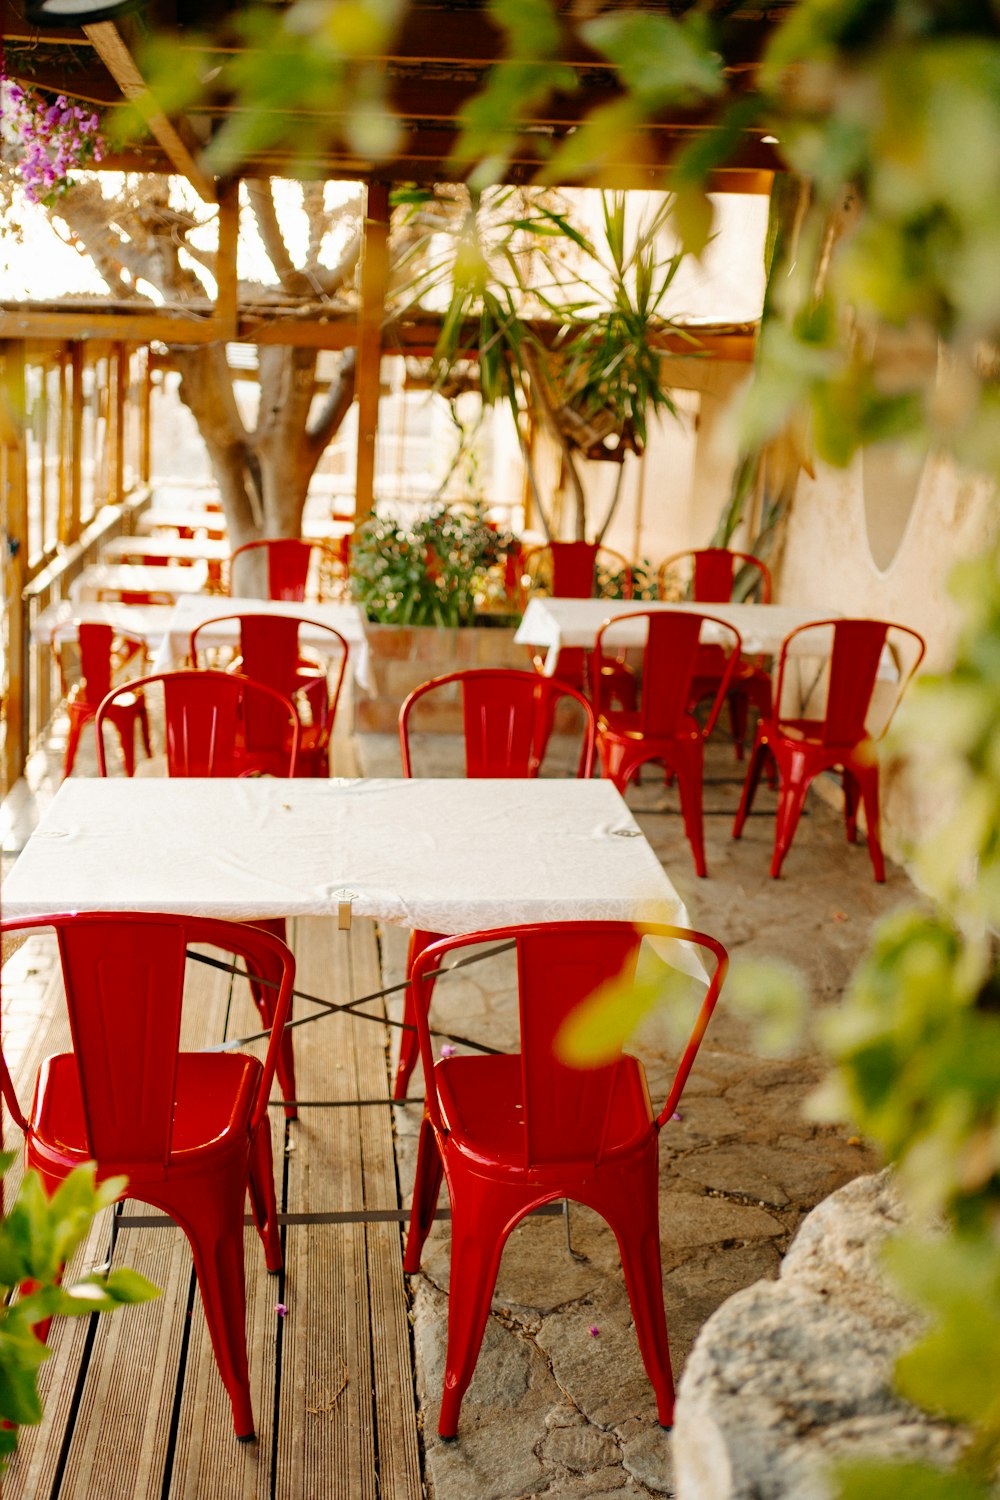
(788, 1375)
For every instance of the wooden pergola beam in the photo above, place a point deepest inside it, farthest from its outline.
(111, 49)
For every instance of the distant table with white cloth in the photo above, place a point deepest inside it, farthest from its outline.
(177, 549)
(189, 613)
(146, 620)
(181, 518)
(554, 623)
(446, 856)
(165, 582)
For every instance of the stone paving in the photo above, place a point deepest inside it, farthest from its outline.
(560, 1405)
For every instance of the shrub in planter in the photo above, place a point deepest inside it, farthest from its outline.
(446, 568)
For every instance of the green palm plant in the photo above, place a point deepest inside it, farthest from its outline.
(550, 320)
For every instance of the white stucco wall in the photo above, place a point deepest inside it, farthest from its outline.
(827, 560)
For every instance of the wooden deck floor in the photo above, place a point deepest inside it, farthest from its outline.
(134, 1406)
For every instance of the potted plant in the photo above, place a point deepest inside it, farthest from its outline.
(427, 586)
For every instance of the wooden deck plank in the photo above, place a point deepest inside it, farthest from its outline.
(326, 1431)
(392, 1355)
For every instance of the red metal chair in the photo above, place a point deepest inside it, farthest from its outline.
(664, 727)
(836, 734)
(508, 717)
(270, 650)
(512, 1132)
(218, 724)
(573, 572)
(188, 1129)
(292, 565)
(713, 575)
(90, 658)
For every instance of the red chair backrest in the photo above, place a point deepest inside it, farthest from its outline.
(270, 652)
(559, 965)
(95, 646)
(855, 657)
(574, 568)
(507, 720)
(714, 573)
(124, 982)
(216, 724)
(670, 662)
(288, 562)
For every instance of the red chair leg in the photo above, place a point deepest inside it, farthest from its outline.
(689, 768)
(262, 1199)
(637, 1230)
(481, 1218)
(870, 797)
(210, 1211)
(76, 722)
(409, 1047)
(793, 785)
(426, 1188)
(750, 785)
(126, 734)
(851, 793)
(263, 997)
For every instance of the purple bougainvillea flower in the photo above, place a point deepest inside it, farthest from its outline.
(594, 1331)
(281, 1309)
(447, 1050)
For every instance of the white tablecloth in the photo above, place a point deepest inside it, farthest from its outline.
(175, 548)
(450, 856)
(148, 620)
(181, 518)
(553, 623)
(191, 612)
(136, 578)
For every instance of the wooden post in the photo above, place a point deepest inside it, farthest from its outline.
(145, 418)
(76, 440)
(65, 439)
(118, 438)
(374, 276)
(14, 541)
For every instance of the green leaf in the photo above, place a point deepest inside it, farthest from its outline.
(595, 1032)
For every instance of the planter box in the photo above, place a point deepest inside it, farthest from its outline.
(403, 656)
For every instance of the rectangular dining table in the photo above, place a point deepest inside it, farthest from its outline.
(190, 612)
(447, 856)
(554, 623)
(176, 549)
(146, 620)
(181, 518)
(167, 582)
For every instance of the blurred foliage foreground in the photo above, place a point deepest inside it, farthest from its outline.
(38, 1236)
(886, 114)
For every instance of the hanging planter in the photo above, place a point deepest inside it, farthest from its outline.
(50, 140)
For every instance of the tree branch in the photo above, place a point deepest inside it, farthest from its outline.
(261, 198)
(336, 404)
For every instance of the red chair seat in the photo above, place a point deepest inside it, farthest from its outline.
(214, 1098)
(482, 1106)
